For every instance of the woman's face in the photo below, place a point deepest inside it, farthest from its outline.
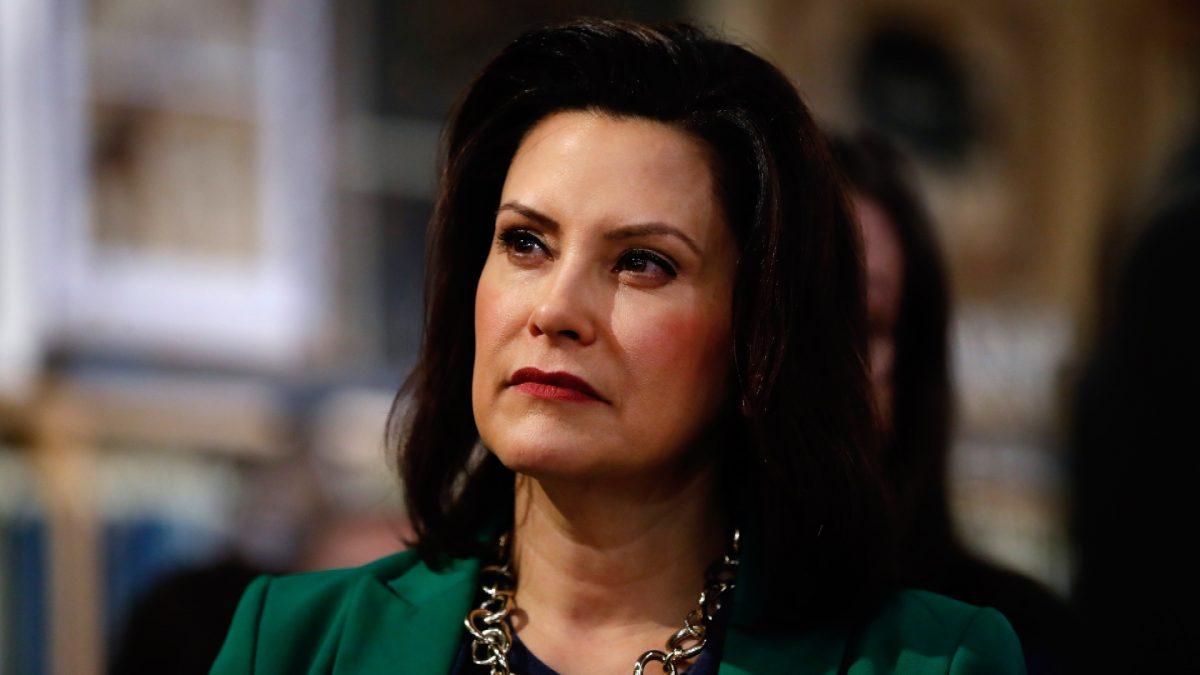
(611, 262)
(885, 281)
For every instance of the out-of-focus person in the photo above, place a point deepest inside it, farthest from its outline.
(1136, 460)
(908, 317)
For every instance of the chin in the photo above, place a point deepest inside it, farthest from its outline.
(535, 441)
(543, 459)
(550, 442)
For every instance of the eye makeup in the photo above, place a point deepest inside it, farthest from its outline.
(523, 242)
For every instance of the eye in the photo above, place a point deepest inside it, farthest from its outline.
(520, 242)
(643, 262)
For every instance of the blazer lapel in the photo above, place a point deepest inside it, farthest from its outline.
(410, 624)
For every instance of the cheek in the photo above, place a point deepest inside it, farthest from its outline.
(498, 311)
(487, 313)
(676, 354)
(497, 318)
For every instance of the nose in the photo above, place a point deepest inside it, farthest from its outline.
(564, 310)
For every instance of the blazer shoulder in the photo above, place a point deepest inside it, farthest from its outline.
(923, 632)
(299, 609)
(308, 589)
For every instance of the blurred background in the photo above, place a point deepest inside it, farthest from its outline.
(212, 221)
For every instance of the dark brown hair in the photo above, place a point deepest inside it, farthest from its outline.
(799, 474)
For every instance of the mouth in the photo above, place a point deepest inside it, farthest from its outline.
(556, 386)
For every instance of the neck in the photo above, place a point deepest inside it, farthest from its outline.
(611, 562)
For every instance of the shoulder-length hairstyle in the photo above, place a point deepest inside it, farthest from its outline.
(916, 448)
(798, 470)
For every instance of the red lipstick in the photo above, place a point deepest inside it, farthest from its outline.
(556, 386)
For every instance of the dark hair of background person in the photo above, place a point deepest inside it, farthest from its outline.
(1135, 462)
(914, 453)
(797, 435)
(916, 450)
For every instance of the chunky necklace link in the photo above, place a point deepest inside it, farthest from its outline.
(492, 635)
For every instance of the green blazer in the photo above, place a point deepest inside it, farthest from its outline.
(396, 615)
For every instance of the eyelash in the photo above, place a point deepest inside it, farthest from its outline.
(510, 239)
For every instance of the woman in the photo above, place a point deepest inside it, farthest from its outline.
(643, 359)
(907, 319)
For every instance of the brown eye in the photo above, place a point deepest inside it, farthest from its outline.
(641, 261)
(520, 242)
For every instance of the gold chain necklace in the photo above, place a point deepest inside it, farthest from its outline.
(492, 636)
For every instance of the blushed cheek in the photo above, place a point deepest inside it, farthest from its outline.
(495, 309)
(502, 310)
(674, 353)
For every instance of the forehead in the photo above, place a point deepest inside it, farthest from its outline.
(588, 168)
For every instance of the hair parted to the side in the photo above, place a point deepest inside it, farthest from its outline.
(799, 468)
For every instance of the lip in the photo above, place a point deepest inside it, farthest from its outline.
(558, 386)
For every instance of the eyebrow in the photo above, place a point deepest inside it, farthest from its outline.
(624, 232)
